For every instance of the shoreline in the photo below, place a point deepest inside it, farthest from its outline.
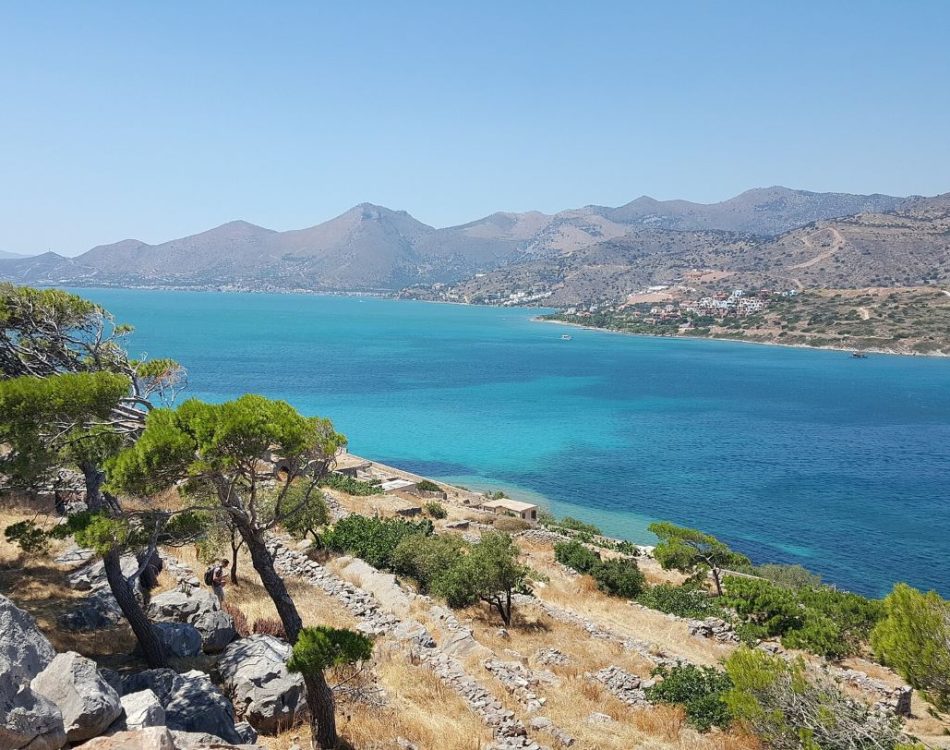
(847, 350)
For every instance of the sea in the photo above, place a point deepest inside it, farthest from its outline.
(790, 455)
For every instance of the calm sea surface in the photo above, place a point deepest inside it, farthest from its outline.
(790, 455)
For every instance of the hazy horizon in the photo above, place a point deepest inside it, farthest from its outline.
(156, 122)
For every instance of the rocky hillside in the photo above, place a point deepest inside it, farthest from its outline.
(374, 249)
(909, 246)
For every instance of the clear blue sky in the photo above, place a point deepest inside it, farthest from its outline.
(156, 120)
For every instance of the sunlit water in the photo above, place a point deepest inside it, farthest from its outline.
(790, 455)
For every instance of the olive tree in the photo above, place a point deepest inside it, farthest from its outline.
(246, 454)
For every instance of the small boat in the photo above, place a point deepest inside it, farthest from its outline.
(566, 337)
(858, 355)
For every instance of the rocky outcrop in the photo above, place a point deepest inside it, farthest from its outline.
(97, 611)
(26, 718)
(200, 609)
(87, 702)
(265, 693)
(161, 738)
(712, 627)
(191, 701)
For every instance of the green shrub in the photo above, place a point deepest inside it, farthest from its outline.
(350, 486)
(435, 509)
(574, 524)
(424, 557)
(619, 577)
(820, 619)
(576, 556)
(699, 690)
(789, 708)
(428, 486)
(914, 638)
(320, 648)
(373, 539)
(789, 576)
(680, 601)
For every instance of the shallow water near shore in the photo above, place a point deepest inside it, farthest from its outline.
(790, 455)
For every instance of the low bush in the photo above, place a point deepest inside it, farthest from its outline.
(789, 708)
(428, 486)
(269, 626)
(510, 524)
(573, 524)
(700, 690)
(373, 539)
(576, 556)
(435, 510)
(619, 577)
(819, 619)
(241, 626)
(350, 486)
(424, 557)
(680, 601)
(789, 576)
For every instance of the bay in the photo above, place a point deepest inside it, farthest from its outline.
(790, 455)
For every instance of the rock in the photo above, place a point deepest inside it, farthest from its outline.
(24, 650)
(87, 702)
(268, 696)
(28, 720)
(92, 577)
(97, 611)
(551, 657)
(216, 630)
(142, 709)
(598, 718)
(247, 733)
(199, 608)
(205, 741)
(540, 722)
(178, 638)
(191, 701)
(150, 738)
(624, 685)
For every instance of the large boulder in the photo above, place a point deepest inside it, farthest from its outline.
(97, 611)
(24, 650)
(150, 738)
(199, 608)
(88, 703)
(255, 671)
(26, 719)
(178, 638)
(92, 577)
(191, 701)
(140, 710)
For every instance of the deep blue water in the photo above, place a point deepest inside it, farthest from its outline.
(790, 455)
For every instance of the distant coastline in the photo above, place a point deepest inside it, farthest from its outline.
(845, 349)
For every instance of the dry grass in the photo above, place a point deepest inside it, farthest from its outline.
(579, 594)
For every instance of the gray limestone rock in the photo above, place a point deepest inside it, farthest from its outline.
(268, 696)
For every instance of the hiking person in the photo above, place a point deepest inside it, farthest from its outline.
(215, 577)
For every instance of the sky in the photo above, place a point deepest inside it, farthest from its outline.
(157, 120)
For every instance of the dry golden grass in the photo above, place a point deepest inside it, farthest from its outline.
(579, 594)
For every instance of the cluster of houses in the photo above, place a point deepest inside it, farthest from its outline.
(738, 302)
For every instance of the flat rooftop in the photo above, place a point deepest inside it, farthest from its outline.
(513, 505)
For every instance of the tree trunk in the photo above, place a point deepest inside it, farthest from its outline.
(274, 585)
(322, 716)
(715, 575)
(319, 695)
(151, 646)
(124, 595)
(235, 548)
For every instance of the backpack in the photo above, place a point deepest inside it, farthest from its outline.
(209, 575)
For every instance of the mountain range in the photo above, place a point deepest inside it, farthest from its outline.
(375, 249)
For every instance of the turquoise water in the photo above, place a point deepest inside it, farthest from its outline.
(790, 455)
